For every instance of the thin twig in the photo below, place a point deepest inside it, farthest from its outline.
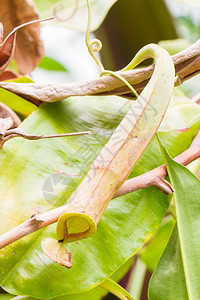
(151, 178)
(187, 65)
(25, 24)
(18, 132)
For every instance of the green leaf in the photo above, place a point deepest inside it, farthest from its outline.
(95, 294)
(174, 46)
(116, 289)
(16, 102)
(50, 64)
(41, 175)
(152, 252)
(5, 297)
(168, 280)
(187, 204)
(99, 10)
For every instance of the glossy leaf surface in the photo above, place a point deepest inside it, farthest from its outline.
(187, 204)
(95, 294)
(41, 175)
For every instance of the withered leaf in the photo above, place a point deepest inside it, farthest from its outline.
(57, 252)
(6, 49)
(5, 124)
(28, 49)
(6, 112)
(8, 75)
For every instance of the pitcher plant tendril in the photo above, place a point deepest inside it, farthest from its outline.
(118, 157)
(108, 172)
(94, 45)
(67, 18)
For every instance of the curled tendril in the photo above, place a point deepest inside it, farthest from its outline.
(95, 45)
(90, 44)
(60, 5)
(107, 72)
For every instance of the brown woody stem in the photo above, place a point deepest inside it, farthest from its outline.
(187, 65)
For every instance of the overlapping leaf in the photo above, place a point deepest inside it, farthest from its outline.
(168, 281)
(78, 21)
(28, 50)
(152, 252)
(42, 174)
(95, 294)
(187, 204)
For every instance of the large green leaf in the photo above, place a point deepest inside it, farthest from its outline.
(187, 204)
(99, 9)
(5, 297)
(168, 281)
(95, 294)
(41, 175)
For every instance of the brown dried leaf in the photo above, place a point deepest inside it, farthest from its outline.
(5, 124)
(29, 48)
(8, 75)
(6, 112)
(56, 251)
(6, 49)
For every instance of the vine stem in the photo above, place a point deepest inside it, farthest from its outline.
(115, 74)
(154, 177)
(90, 44)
